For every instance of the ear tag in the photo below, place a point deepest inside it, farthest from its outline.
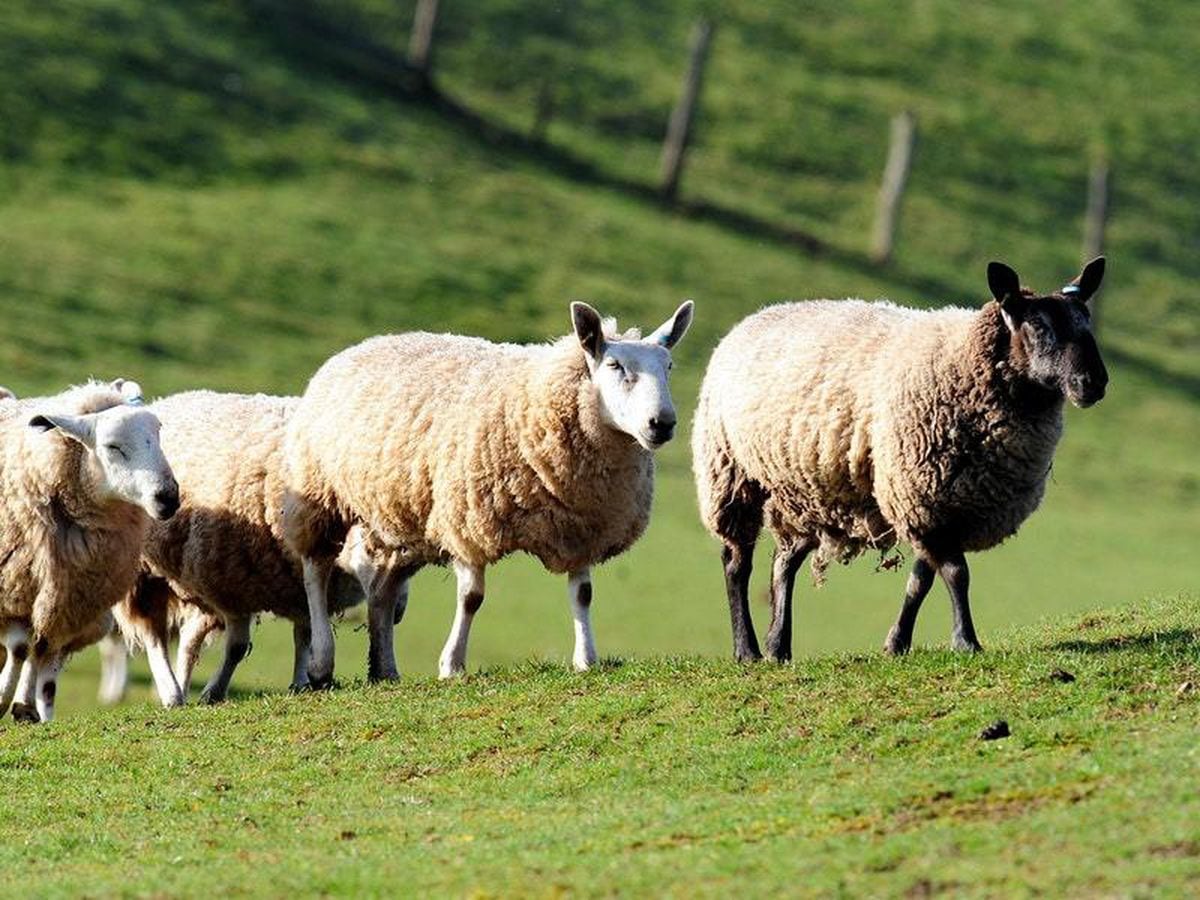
(663, 340)
(1069, 290)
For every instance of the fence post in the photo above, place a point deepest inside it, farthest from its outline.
(420, 42)
(891, 191)
(1094, 222)
(680, 126)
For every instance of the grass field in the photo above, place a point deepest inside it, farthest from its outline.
(852, 774)
(190, 197)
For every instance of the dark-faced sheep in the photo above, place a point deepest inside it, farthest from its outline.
(845, 425)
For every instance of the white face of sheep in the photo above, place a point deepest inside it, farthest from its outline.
(631, 375)
(124, 455)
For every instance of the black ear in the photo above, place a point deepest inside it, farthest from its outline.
(588, 328)
(1089, 279)
(1003, 281)
(41, 423)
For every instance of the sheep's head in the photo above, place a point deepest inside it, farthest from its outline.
(1052, 342)
(631, 373)
(123, 453)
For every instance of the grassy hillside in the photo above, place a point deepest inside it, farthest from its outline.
(853, 774)
(191, 195)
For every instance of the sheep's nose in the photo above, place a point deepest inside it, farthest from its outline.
(662, 428)
(166, 501)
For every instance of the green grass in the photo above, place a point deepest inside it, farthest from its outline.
(853, 774)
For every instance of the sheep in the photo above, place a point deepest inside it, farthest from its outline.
(221, 560)
(460, 450)
(846, 425)
(81, 475)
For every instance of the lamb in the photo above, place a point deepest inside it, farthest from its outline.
(221, 560)
(847, 426)
(461, 450)
(81, 474)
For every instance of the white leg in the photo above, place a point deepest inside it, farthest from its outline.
(16, 648)
(316, 586)
(301, 638)
(24, 708)
(193, 632)
(160, 669)
(114, 669)
(47, 685)
(237, 646)
(453, 660)
(579, 589)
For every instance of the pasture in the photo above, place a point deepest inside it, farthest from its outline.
(187, 199)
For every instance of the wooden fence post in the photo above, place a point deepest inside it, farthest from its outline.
(420, 42)
(891, 191)
(1094, 222)
(680, 126)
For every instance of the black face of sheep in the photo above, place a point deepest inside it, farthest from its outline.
(1052, 336)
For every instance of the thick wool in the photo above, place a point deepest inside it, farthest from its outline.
(458, 447)
(67, 553)
(223, 550)
(863, 424)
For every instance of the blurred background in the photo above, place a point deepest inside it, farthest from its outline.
(222, 194)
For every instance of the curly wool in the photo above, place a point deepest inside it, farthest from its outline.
(860, 424)
(458, 447)
(67, 554)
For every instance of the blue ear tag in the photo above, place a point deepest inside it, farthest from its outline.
(1069, 290)
(135, 401)
(664, 340)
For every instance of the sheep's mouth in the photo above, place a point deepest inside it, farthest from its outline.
(1085, 399)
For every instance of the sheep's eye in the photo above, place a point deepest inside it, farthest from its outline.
(613, 364)
(113, 448)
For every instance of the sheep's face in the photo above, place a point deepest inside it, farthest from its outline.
(1052, 339)
(631, 375)
(124, 455)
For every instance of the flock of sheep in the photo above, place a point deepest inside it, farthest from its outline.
(841, 426)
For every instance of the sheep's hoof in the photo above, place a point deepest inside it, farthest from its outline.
(299, 687)
(381, 677)
(24, 712)
(211, 698)
(962, 645)
(748, 656)
(320, 683)
(895, 645)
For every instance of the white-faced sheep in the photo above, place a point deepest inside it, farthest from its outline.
(464, 451)
(222, 560)
(80, 475)
(848, 425)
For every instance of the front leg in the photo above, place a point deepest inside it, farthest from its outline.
(301, 639)
(24, 707)
(579, 590)
(957, 577)
(387, 598)
(453, 660)
(16, 646)
(784, 566)
(316, 586)
(738, 559)
(47, 684)
(899, 639)
(237, 648)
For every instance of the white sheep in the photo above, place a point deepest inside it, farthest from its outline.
(849, 425)
(465, 451)
(221, 560)
(80, 473)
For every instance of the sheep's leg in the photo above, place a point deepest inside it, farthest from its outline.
(192, 634)
(453, 660)
(954, 572)
(316, 586)
(47, 684)
(24, 708)
(401, 601)
(16, 648)
(738, 560)
(579, 587)
(899, 639)
(237, 647)
(301, 642)
(387, 598)
(784, 566)
(169, 692)
(114, 669)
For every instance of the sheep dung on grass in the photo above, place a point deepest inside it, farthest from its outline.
(464, 451)
(845, 425)
(80, 475)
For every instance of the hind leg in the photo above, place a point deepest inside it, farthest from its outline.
(47, 684)
(197, 626)
(16, 647)
(899, 639)
(114, 669)
(738, 560)
(237, 648)
(787, 561)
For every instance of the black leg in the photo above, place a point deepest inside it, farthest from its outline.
(784, 566)
(738, 560)
(953, 570)
(899, 639)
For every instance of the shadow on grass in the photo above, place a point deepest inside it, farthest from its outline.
(1174, 638)
(1183, 384)
(308, 38)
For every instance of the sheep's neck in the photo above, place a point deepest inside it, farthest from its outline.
(997, 362)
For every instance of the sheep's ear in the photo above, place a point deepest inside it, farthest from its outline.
(1005, 286)
(6, 394)
(588, 329)
(79, 428)
(1087, 283)
(669, 333)
(130, 391)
